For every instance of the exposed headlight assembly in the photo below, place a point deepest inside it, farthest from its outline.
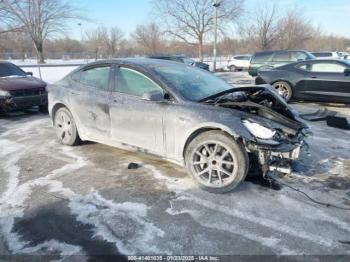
(258, 130)
(4, 93)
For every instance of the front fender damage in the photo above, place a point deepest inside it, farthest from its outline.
(263, 106)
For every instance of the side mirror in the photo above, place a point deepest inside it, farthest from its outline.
(347, 72)
(155, 96)
(29, 73)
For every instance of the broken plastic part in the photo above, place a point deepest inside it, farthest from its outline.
(133, 166)
(319, 115)
(338, 122)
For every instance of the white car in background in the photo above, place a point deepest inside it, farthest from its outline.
(239, 63)
(344, 55)
(325, 54)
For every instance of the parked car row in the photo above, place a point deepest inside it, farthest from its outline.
(300, 75)
(185, 114)
(271, 59)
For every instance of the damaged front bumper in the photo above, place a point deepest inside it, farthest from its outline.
(277, 158)
(22, 102)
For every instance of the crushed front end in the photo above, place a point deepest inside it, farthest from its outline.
(22, 99)
(277, 133)
(277, 156)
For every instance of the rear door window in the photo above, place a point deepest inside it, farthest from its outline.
(239, 57)
(328, 68)
(260, 58)
(281, 57)
(298, 56)
(323, 54)
(97, 77)
(305, 67)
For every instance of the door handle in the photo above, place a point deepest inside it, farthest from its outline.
(313, 77)
(74, 93)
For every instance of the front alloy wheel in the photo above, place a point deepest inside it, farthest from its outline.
(65, 127)
(216, 162)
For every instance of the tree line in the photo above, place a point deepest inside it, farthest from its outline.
(177, 27)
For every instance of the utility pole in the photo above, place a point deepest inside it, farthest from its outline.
(216, 5)
(81, 32)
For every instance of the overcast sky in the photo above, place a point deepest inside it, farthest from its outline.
(332, 15)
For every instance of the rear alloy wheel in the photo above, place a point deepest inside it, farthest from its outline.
(284, 89)
(65, 127)
(216, 162)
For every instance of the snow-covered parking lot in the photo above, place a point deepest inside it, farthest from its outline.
(64, 201)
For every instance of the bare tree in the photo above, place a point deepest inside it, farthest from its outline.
(96, 40)
(294, 30)
(264, 30)
(192, 20)
(39, 18)
(114, 41)
(149, 39)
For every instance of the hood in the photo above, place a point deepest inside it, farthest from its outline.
(261, 102)
(20, 83)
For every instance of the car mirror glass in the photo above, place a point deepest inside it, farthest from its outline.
(29, 73)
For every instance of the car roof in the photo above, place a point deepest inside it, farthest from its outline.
(317, 52)
(167, 56)
(141, 62)
(322, 60)
(313, 61)
(276, 51)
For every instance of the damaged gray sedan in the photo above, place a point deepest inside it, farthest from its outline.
(180, 113)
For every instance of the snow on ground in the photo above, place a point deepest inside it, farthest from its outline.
(83, 200)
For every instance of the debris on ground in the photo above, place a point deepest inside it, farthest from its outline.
(338, 122)
(319, 115)
(134, 166)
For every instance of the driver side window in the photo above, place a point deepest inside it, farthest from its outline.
(134, 83)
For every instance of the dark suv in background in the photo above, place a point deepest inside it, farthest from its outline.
(271, 59)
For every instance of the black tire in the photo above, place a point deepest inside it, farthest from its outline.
(284, 89)
(232, 68)
(44, 109)
(218, 143)
(65, 127)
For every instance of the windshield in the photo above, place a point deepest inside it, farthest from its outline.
(193, 84)
(7, 70)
